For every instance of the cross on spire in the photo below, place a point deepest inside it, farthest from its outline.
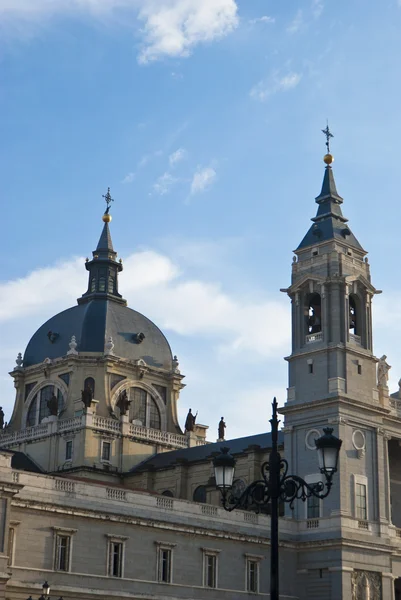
(108, 200)
(328, 135)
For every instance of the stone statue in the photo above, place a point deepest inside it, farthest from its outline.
(87, 396)
(52, 405)
(382, 371)
(190, 421)
(1, 418)
(123, 403)
(222, 427)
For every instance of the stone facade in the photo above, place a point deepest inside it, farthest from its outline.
(106, 501)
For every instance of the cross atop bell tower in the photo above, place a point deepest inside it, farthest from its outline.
(331, 295)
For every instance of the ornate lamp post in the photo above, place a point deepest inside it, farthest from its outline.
(276, 485)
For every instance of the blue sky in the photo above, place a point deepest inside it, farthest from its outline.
(204, 118)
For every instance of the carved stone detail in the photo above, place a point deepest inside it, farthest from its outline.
(366, 585)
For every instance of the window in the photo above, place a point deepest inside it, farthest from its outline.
(38, 408)
(310, 366)
(143, 408)
(110, 284)
(210, 568)
(68, 450)
(106, 451)
(313, 310)
(162, 391)
(359, 369)
(90, 383)
(116, 552)
(168, 494)
(66, 378)
(312, 507)
(252, 574)
(93, 284)
(165, 561)
(200, 494)
(29, 387)
(62, 555)
(360, 502)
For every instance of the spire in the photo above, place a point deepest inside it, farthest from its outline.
(103, 268)
(329, 222)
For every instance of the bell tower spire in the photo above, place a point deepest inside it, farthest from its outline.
(331, 295)
(104, 268)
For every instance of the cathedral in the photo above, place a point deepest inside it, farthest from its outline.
(102, 494)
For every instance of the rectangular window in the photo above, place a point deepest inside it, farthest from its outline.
(310, 368)
(68, 450)
(106, 451)
(62, 557)
(252, 575)
(115, 559)
(165, 565)
(313, 508)
(360, 501)
(210, 570)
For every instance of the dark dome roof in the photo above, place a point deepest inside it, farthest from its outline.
(93, 323)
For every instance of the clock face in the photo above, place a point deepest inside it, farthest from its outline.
(238, 488)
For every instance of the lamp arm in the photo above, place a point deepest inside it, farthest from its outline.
(294, 488)
(257, 494)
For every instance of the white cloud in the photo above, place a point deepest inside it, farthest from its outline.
(164, 183)
(173, 28)
(317, 8)
(202, 179)
(273, 84)
(296, 23)
(177, 156)
(263, 19)
(169, 27)
(129, 178)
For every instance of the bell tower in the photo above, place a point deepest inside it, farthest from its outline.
(331, 294)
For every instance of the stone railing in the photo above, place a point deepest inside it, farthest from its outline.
(100, 423)
(155, 435)
(106, 424)
(314, 337)
(72, 423)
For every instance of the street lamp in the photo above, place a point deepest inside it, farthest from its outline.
(277, 485)
(45, 593)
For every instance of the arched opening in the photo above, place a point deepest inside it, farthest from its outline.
(39, 406)
(90, 383)
(143, 409)
(168, 493)
(313, 313)
(200, 494)
(354, 322)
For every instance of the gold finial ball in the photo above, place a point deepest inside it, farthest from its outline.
(328, 159)
(106, 218)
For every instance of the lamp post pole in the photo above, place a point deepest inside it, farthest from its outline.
(276, 485)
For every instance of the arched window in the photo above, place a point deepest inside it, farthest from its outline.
(313, 310)
(200, 494)
(168, 493)
(38, 408)
(143, 409)
(90, 382)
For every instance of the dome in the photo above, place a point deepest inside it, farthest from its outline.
(92, 323)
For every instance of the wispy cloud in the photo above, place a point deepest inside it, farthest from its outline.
(274, 84)
(296, 23)
(169, 28)
(317, 8)
(164, 183)
(202, 179)
(177, 156)
(263, 19)
(129, 178)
